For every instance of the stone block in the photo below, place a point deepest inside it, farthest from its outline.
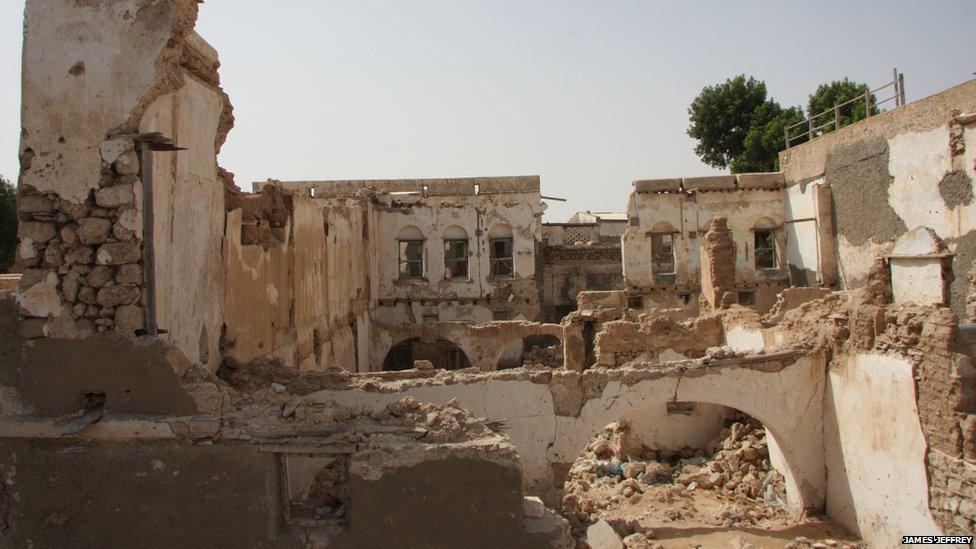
(710, 183)
(37, 231)
(34, 204)
(534, 508)
(600, 535)
(115, 196)
(130, 317)
(112, 296)
(118, 253)
(93, 230)
(657, 185)
(763, 181)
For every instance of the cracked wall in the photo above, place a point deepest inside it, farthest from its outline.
(682, 208)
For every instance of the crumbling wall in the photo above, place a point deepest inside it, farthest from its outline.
(913, 166)
(484, 344)
(569, 270)
(298, 282)
(683, 208)
(655, 338)
(919, 432)
(717, 266)
(480, 208)
(96, 79)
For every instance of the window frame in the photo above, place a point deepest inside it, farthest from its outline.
(401, 260)
(494, 261)
(772, 254)
(449, 272)
(655, 260)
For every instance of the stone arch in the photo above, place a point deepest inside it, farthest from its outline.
(793, 424)
(764, 223)
(443, 353)
(410, 232)
(455, 232)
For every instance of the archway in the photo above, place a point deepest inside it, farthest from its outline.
(443, 354)
(677, 469)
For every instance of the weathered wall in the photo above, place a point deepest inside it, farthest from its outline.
(304, 299)
(569, 270)
(913, 166)
(483, 344)
(188, 219)
(683, 208)
(432, 206)
(876, 470)
(658, 429)
(810, 248)
(552, 415)
(94, 76)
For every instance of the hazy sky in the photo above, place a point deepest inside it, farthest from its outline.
(590, 95)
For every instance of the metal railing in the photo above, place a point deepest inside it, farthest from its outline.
(816, 126)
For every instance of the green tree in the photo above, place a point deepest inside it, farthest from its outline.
(8, 224)
(834, 93)
(765, 140)
(721, 117)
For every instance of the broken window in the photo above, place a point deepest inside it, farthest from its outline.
(662, 253)
(502, 263)
(765, 246)
(431, 318)
(456, 258)
(747, 298)
(317, 489)
(411, 258)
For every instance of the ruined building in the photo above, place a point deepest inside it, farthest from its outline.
(780, 357)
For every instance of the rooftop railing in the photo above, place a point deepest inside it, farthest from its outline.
(830, 119)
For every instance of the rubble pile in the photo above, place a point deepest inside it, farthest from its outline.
(550, 357)
(735, 465)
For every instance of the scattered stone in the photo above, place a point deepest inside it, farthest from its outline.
(423, 365)
(534, 508)
(600, 535)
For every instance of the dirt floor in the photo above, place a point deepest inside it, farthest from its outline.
(724, 495)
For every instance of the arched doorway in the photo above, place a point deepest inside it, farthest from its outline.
(443, 354)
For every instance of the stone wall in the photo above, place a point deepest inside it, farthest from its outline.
(97, 82)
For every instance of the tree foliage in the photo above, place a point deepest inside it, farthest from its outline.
(8, 224)
(739, 128)
(834, 93)
(722, 115)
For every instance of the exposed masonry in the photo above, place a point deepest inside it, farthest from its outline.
(510, 343)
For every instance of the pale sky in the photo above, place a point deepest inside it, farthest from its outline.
(590, 95)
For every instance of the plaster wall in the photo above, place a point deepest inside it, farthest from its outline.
(88, 70)
(305, 300)
(876, 469)
(910, 167)
(657, 429)
(688, 218)
(550, 421)
(188, 219)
